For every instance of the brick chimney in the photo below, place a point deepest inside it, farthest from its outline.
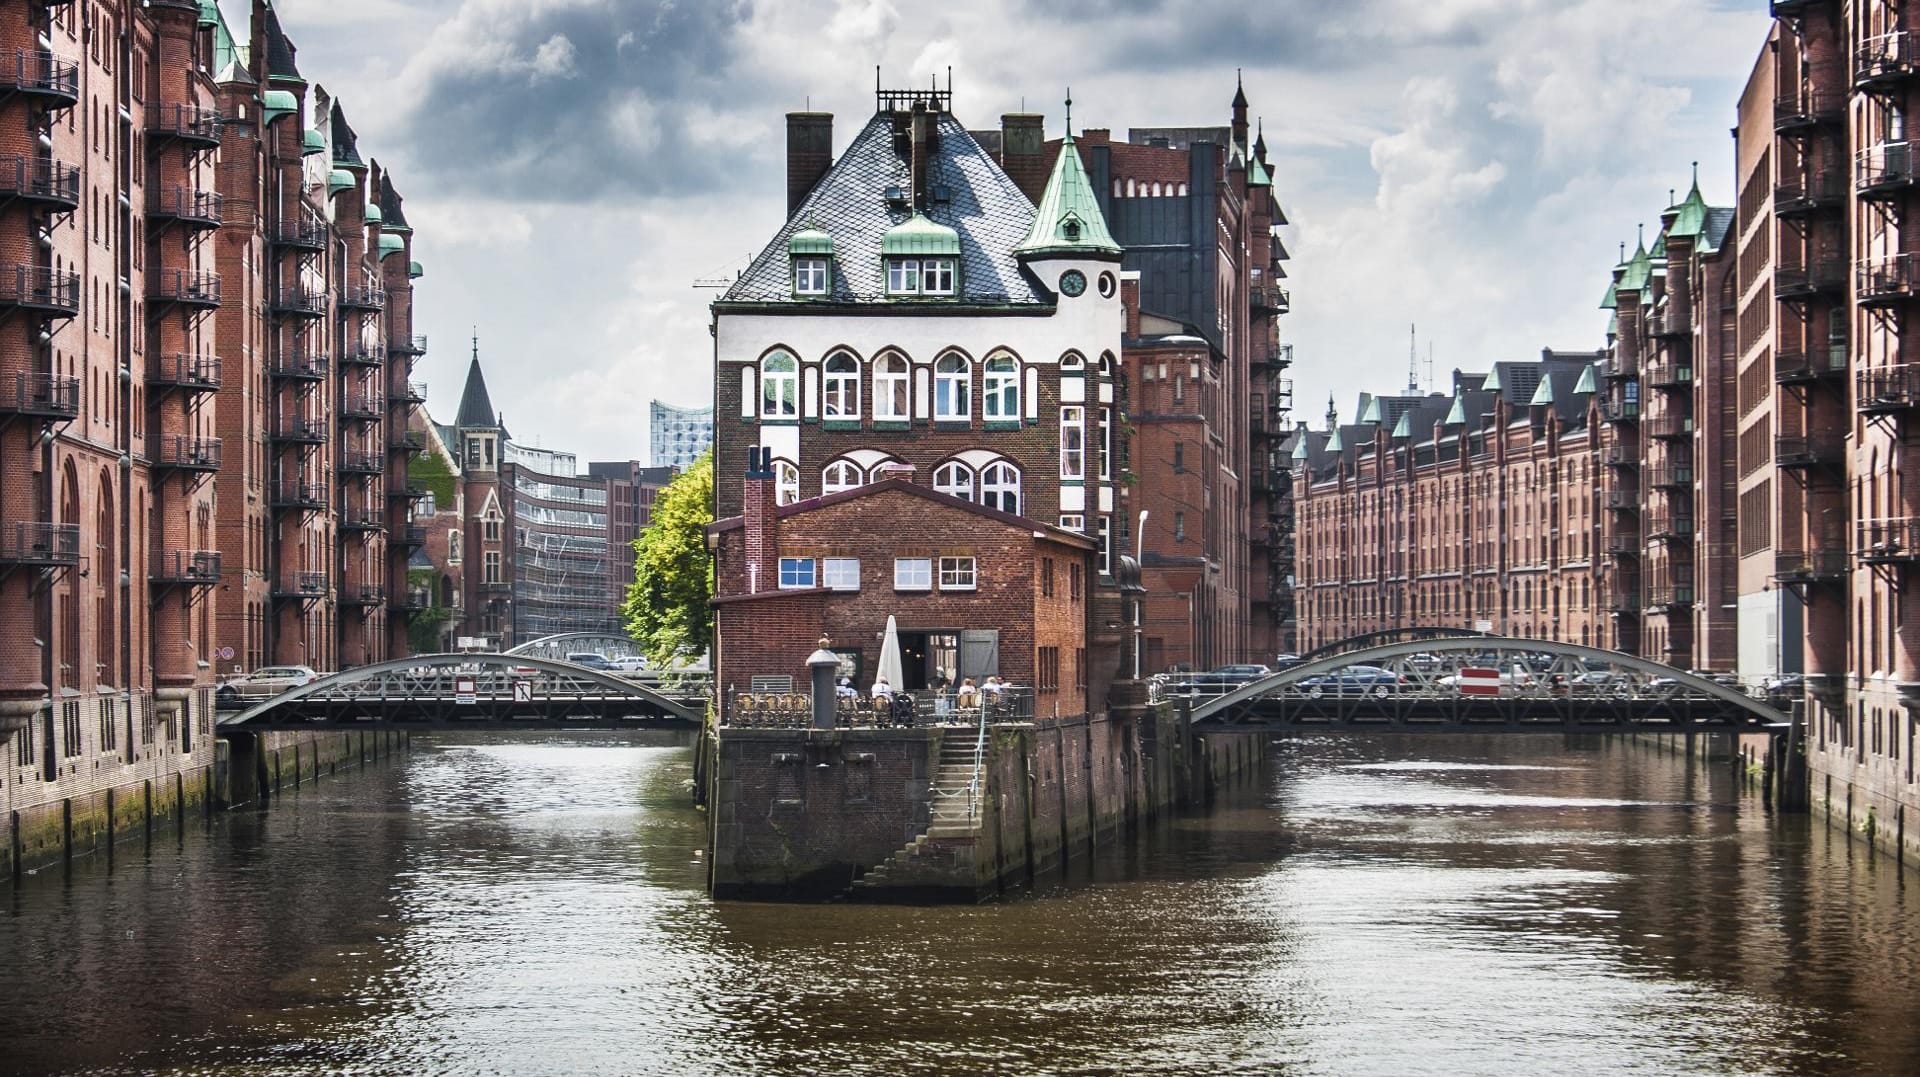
(809, 153)
(1023, 152)
(762, 529)
(922, 135)
(1130, 303)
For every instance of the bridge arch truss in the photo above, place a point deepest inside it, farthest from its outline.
(1544, 687)
(559, 645)
(468, 691)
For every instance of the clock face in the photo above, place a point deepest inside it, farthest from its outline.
(1073, 282)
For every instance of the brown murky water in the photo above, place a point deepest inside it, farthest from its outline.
(1367, 907)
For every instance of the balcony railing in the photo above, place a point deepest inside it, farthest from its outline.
(186, 122)
(184, 286)
(1669, 527)
(1620, 499)
(1669, 375)
(300, 302)
(1821, 189)
(1885, 61)
(1669, 597)
(1810, 566)
(301, 233)
(178, 452)
(1887, 390)
(407, 441)
(1795, 452)
(1798, 366)
(299, 366)
(360, 462)
(301, 585)
(1670, 321)
(1670, 426)
(196, 373)
(53, 397)
(410, 393)
(1624, 544)
(39, 545)
(405, 491)
(1806, 108)
(1620, 411)
(1892, 541)
(193, 568)
(199, 209)
(39, 179)
(363, 518)
(1885, 169)
(1620, 455)
(415, 345)
(40, 288)
(362, 354)
(42, 75)
(362, 595)
(1811, 279)
(299, 429)
(362, 297)
(410, 536)
(1670, 477)
(411, 601)
(1887, 280)
(1623, 600)
(361, 408)
(300, 495)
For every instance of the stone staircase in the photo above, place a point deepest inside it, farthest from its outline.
(934, 856)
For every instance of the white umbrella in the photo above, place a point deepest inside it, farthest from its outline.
(889, 666)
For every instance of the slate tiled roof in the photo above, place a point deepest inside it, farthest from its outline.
(849, 203)
(390, 212)
(476, 407)
(279, 50)
(346, 146)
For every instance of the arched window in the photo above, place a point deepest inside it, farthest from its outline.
(951, 381)
(1000, 487)
(1073, 361)
(786, 482)
(890, 388)
(841, 385)
(1001, 388)
(840, 475)
(779, 387)
(954, 478)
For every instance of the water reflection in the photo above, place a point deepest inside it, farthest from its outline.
(1437, 906)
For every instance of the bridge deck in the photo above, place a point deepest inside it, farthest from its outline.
(1286, 715)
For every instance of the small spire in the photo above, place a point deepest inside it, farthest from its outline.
(476, 343)
(1069, 114)
(1239, 90)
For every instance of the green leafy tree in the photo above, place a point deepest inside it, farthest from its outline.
(668, 607)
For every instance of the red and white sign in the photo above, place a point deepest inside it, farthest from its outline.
(1477, 681)
(463, 691)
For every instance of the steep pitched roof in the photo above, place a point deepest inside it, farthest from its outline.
(280, 51)
(984, 207)
(346, 146)
(391, 216)
(1068, 219)
(476, 407)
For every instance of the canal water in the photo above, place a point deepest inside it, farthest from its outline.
(1364, 907)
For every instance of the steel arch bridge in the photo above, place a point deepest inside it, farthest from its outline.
(559, 645)
(468, 691)
(1412, 686)
(1382, 637)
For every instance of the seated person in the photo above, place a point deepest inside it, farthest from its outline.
(969, 694)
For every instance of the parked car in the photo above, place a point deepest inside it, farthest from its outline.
(1668, 686)
(1352, 681)
(1782, 690)
(1241, 674)
(1282, 662)
(630, 663)
(263, 683)
(590, 659)
(1601, 682)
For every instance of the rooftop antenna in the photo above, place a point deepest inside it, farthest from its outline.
(1413, 361)
(1069, 113)
(1429, 365)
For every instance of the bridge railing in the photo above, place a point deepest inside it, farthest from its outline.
(794, 710)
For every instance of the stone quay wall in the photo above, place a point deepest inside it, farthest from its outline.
(804, 814)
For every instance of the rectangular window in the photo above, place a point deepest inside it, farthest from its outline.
(490, 570)
(796, 572)
(1179, 527)
(1046, 577)
(1106, 545)
(1073, 522)
(956, 574)
(903, 276)
(913, 574)
(1073, 581)
(936, 276)
(1047, 669)
(1073, 444)
(1106, 444)
(1179, 457)
(810, 276)
(840, 573)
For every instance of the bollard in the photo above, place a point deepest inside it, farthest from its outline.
(823, 664)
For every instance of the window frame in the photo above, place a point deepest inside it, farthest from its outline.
(970, 569)
(1000, 385)
(840, 387)
(903, 276)
(1073, 442)
(1002, 491)
(946, 486)
(829, 485)
(786, 482)
(952, 388)
(780, 386)
(919, 581)
(893, 374)
(832, 570)
(808, 266)
(793, 581)
(946, 270)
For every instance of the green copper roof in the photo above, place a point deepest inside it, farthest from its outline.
(1257, 174)
(373, 214)
(1492, 384)
(916, 236)
(210, 12)
(1659, 251)
(811, 240)
(1334, 444)
(415, 271)
(1457, 415)
(277, 103)
(391, 245)
(312, 142)
(1639, 270)
(1370, 413)
(1544, 394)
(339, 180)
(1608, 302)
(1690, 216)
(1300, 448)
(1068, 220)
(1404, 428)
(1587, 384)
(1613, 326)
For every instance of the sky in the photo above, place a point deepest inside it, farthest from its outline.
(572, 168)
